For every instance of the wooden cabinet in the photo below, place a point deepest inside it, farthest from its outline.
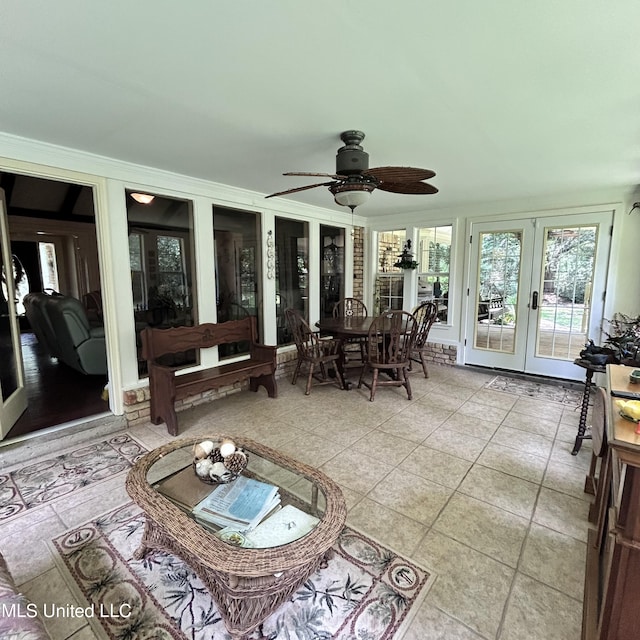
(612, 583)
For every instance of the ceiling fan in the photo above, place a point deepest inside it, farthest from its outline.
(353, 181)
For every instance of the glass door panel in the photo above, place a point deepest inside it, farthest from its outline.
(499, 294)
(497, 290)
(568, 285)
(565, 292)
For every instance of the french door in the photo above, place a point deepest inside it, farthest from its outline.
(536, 292)
(13, 395)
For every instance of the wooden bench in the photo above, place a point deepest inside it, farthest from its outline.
(490, 309)
(166, 387)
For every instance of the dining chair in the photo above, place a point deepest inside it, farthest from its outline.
(318, 354)
(352, 308)
(425, 314)
(391, 337)
(349, 307)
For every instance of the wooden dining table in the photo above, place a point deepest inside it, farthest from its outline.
(347, 327)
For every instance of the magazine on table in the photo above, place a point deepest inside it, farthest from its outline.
(285, 525)
(240, 504)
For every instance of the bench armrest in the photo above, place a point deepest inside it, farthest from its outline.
(162, 369)
(263, 351)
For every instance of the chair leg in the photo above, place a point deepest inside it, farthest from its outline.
(296, 372)
(338, 375)
(309, 379)
(374, 384)
(407, 384)
(424, 365)
(365, 368)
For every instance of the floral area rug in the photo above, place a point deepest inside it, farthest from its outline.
(50, 478)
(555, 392)
(365, 592)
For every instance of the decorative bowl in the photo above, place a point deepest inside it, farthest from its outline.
(235, 538)
(218, 464)
(634, 376)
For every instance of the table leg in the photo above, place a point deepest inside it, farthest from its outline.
(584, 410)
(342, 366)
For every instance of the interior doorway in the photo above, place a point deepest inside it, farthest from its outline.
(52, 230)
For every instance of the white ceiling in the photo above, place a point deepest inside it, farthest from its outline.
(503, 100)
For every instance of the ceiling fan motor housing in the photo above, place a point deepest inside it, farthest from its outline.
(351, 159)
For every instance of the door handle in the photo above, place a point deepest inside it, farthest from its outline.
(534, 301)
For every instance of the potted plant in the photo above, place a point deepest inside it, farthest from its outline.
(624, 339)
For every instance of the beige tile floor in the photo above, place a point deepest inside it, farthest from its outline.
(475, 484)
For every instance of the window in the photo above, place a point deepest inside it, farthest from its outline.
(389, 285)
(292, 272)
(238, 281)
(331, 268)
(48, 266)
(172, 270)
(434, 259)
(138, 282)
(162, 268)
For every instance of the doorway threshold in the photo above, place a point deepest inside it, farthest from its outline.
(82, 429)
(529, 377)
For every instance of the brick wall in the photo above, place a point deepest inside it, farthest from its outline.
(358, 263)
(444, 354)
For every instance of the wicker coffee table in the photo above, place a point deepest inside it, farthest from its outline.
(246, 584)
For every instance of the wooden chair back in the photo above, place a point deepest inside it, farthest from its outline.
(349, 307)
(392, 336)
(425, 314)
(300, 330)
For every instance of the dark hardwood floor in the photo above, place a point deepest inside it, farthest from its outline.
(57, 393)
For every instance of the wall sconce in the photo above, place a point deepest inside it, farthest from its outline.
(271, 264)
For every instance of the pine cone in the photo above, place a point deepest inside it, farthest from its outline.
(236, 462)
(216, 456)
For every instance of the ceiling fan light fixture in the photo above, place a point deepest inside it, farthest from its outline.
(143, 198)
(353, 181)
(352, 195)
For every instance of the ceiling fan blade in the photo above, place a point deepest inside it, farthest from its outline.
(309, 186)
(399, 174)
(302, 173)
(407, 187)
